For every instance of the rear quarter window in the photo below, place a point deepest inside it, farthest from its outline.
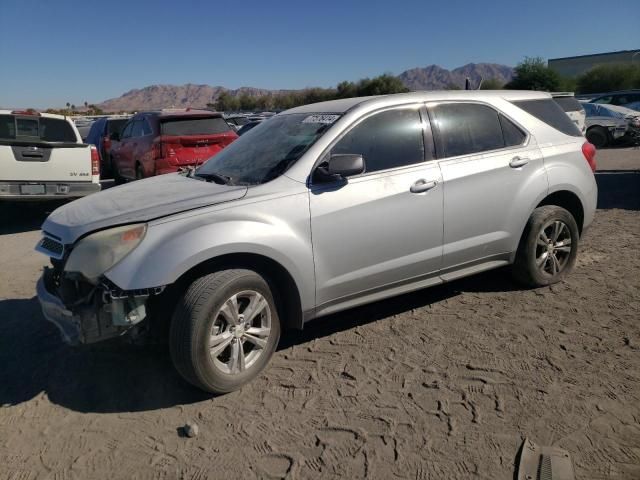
(194, 126)
(568, 104)
(115, 125)
(550, 113)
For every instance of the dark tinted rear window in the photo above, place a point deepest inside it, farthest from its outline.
(550, 113)
(194, 126)
(116, 125)
(36, 128)
(568, 104)
(467, 128)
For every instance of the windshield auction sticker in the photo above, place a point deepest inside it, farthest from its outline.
(324, 119)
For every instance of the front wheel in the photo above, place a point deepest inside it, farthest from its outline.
(548, 247)
(225, 330)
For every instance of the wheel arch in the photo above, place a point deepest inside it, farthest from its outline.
(569, 201)
(284, 288)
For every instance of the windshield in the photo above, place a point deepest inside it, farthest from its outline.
(269, 149)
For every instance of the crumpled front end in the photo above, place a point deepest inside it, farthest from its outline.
(86, 313)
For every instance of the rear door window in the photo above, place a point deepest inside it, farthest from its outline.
(137, 131)
(194, 126)
(467, 128)
(386, 140)
(126, 133)
(550, 113)
(36, 128)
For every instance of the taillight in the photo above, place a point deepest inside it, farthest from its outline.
(589, 152)
(95, 161)
(106, 143)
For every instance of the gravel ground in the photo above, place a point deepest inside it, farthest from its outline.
(441, 383)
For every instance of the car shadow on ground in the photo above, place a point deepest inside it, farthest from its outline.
(618, 189)
(117, 377)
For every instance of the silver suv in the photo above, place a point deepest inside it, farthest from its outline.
(316, 210)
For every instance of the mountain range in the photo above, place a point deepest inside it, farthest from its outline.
(431, 77)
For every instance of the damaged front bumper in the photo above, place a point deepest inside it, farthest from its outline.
(105, 312)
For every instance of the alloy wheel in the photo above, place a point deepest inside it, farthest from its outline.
(240, 332)
(553, 247)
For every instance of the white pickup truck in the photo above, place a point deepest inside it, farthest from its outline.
(42, 157)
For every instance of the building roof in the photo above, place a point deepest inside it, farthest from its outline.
(594, 55)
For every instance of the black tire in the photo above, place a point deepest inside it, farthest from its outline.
(598, 136)
(528, 268)
(117, 178)
(194, 322)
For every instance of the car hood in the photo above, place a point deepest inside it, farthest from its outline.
(139, 201)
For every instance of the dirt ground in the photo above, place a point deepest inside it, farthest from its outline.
(441, 383)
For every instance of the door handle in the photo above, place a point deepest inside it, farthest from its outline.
(517, 162)
(420, 186)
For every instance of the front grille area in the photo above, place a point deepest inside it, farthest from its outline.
(52, 247)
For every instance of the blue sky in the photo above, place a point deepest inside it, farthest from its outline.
(52, 52)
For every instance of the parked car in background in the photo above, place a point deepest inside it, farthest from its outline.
(633, 106)
(237, 121)
(100, 136)
(620, 98)
(300, 218)
(248, 126)
(154, 143)
(604, 126)
(572, 107)
(42, 157)
(83, 125)
(632, 117)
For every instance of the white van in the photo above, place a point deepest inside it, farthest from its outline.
(42, 157)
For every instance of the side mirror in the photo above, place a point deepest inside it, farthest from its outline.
(345, 165)
(115, 136)
(339, 166)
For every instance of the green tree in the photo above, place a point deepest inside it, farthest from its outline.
(533, 74)
(605, 78)
(491, 84)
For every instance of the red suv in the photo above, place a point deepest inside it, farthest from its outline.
(153, 143)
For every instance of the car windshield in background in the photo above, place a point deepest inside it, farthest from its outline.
(568, 104)
(194, 126)
(269, 149)
(35, 129)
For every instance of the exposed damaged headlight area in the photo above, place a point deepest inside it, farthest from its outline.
(86, 312)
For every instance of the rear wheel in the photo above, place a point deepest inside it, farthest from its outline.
(548, 248)
(224, 330)
(598, 136)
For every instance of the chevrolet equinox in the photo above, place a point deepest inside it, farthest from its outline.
(316, 210)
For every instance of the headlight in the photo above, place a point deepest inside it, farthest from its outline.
(98, 252)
